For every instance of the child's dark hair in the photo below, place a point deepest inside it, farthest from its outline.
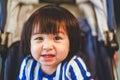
(49, 19)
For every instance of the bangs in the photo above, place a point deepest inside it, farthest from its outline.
(44, 23)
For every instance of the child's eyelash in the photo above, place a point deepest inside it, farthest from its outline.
(39, 38)
(57, 38)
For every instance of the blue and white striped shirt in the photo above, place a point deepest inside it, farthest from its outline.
(75, 69)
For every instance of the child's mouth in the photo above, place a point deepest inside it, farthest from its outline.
(48, 56)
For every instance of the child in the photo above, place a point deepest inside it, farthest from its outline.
(51, 39)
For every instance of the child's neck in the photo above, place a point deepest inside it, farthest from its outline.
(48, 69)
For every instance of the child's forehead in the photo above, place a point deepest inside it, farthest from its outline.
(53, 30)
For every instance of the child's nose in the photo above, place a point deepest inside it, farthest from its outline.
(48, 45)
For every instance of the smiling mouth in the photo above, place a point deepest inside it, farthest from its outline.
(48, 55)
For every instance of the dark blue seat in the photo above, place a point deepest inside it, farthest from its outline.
(13, 61)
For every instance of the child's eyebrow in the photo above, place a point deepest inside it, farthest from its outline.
(62, 31)
(34, 34)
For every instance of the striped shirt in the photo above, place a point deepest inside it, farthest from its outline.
(75, 69)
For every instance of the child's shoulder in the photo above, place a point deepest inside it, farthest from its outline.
(28, 65)
(77, 67)
(28, 62)
(76, 60)
(27, 59)
(76, 63)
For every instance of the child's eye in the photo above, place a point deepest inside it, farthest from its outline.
(39, 38)
(57, 38)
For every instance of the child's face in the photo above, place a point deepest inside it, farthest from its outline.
(50, 49)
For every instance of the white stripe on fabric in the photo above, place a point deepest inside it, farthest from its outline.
(44, 78)
(67, 73)
(82, 62)
(67, 69)
(76, 69)
(58, 72)
(28, 68)
(22, 68)
(84, 66)
(36, 72)
(63, 74)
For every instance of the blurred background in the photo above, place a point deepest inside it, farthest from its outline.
(13, 14)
